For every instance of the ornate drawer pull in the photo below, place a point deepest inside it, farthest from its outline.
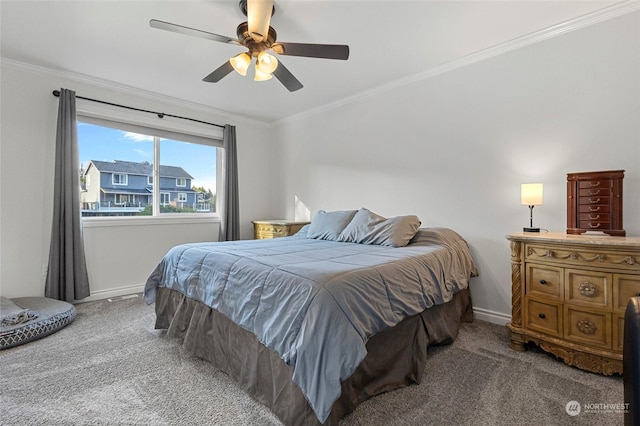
(543, 316)
(587, 326)
(588, 289)
(596, 226)
(596, 192)
(594, 216)
(592, 201)
(594, 183)
(594, 209)
(543, 282)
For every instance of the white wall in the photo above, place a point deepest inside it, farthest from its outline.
(455, 148)
(119, 258)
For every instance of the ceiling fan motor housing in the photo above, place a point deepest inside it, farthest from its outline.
(244, 36)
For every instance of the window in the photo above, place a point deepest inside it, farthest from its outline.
(126, 160)
(119, 179)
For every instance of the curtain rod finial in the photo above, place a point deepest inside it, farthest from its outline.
(56, 93)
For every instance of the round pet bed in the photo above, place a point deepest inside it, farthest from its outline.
(25, 319)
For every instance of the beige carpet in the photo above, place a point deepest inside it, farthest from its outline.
(110, 367)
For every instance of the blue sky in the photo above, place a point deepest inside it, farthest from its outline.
(107, 144)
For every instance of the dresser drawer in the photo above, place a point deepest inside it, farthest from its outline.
(594, 183)
(618, 332)
(543, 316)
(544, 281)
(590, 327)
(593, 258)
(588, 288)
(624, 287)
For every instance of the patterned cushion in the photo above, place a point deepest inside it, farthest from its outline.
(52, 316)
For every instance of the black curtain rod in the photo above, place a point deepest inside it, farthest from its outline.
(56, 93)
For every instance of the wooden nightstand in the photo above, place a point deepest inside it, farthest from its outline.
(263, 229)
(569, 294)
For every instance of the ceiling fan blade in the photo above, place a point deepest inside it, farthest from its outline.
(325, 51)
(168, 26)
(219, 73)
(286, 78)
(259, 17)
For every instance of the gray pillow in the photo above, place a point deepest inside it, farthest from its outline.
(328, 225)
(370, 228)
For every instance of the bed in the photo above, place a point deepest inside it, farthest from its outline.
(313, 324)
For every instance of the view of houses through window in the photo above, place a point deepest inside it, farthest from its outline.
(118, 175)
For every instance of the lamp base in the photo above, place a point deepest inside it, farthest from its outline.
(531, 229)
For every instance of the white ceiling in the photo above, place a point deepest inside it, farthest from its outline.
(389, 41)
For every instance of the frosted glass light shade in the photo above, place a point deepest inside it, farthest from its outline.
(241, 63)
(261, 76)
(266, 63)
(531, 194)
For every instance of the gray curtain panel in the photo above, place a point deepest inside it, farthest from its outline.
(230, 214)
(67, 277)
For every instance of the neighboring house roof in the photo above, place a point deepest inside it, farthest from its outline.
(133, 168)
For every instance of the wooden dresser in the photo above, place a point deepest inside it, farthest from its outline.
(263, 229)
(569, 295)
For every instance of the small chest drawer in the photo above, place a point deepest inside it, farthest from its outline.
(595, 200)
(587, 326)
(593, 191)
(594, 216)
(584, 208)
(590, 184)
(545, 317)
(544, 281)
(588, 288)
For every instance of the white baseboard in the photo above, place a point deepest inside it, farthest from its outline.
(491, 316)
(113, 292)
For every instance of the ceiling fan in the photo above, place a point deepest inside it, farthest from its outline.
(259, 37)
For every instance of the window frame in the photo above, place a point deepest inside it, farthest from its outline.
(113, 179)
(144, 123)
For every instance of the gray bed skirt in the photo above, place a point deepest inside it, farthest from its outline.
(396, 357)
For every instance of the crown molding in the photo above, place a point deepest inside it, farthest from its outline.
(128, 90)
(604, 14)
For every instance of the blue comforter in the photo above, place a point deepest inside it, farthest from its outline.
(317, 302)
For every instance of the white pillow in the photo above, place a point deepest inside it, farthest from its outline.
(370, 228)
(328, 225)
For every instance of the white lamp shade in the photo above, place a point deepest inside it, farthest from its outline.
(531, 194)
(241, 63)
(266, 63)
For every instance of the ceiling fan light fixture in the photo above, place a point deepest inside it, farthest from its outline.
(261, 76)
(241, 63)
(266, 63)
